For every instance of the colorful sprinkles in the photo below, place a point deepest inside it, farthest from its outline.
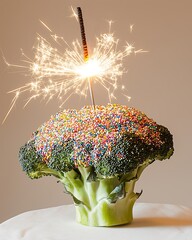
(97, 130)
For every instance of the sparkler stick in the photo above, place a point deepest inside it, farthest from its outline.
(83, 36)
(85, 50)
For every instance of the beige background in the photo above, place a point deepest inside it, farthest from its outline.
(159, 83)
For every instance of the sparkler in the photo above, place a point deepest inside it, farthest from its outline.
(62, 74)
(85, 50)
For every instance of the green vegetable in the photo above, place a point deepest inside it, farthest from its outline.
(102, 190)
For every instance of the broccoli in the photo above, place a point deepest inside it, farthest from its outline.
(32, 163)
(98, 155)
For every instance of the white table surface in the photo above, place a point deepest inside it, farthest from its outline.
(151, 222)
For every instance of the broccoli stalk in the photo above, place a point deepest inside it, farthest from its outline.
(104, 201)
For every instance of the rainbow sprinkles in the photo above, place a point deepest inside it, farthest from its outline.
(97, 130)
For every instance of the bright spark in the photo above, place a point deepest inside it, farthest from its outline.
(131, 28)
(45, 26)
(140, 51)
(74, 14)
(64, 73)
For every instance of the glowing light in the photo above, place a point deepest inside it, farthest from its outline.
(131, 28)
(61, 74)
(91, 68)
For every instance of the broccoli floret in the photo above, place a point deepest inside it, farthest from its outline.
(126, 155)
(166, 149)
(32, 163)
(61, 159)
(130, 152)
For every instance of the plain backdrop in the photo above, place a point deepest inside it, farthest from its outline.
(159, 83)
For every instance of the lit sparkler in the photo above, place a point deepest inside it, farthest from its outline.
(62, 74)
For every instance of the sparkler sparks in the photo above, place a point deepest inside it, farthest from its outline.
(62, 74)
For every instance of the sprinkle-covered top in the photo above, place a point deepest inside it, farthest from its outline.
(94, 131)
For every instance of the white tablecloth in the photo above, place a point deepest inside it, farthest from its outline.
(151, 222)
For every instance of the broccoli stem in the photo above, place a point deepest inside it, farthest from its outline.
(105, 201)
(43, 170)
(105, 213)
